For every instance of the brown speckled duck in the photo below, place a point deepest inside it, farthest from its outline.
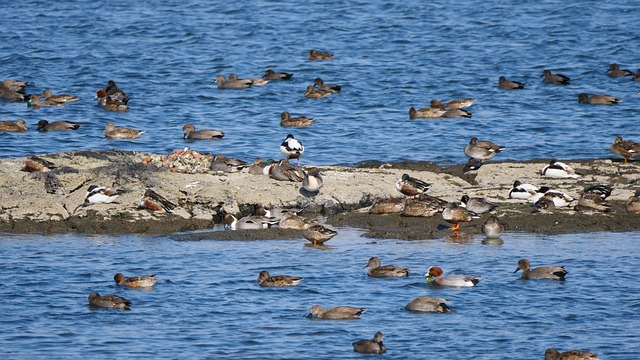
(135, 282)
(376, 270)
(277, 281)
(627, 149)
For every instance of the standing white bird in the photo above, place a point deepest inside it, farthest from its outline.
(291, 148)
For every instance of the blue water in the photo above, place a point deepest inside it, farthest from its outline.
(389, 56)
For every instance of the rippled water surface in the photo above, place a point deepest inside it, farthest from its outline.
(389, 56)
(206, 303)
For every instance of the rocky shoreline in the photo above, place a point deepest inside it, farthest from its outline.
(51, 201)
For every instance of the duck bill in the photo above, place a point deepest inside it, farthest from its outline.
(516, 270)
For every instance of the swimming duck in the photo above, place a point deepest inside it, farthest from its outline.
(387, 206)
(455, 214)
(477, 205)
(318, 234)
(254, 81)
(287, 120)
(190, 133)
(428, 304)
(44, 125)
(36, 103)
(543, 272)
(12, 90)
(223, 83)
(451, 113)
(314, 93)
(375, 270)
(226, 164)
(18, 126)
(411, 186)
(335, 313)
(254, 222)
(525, 191)
(633, 203)
(291, 148)
(424, 206)
(312, 181)
(37, 164)
(136, 282)
(426, 113)
(112, 132)
(556, 79)
(319, 55)
(604, 191)
(151, 200)
(592, 202)
(277, 281)
(114, 91)
(597, 99)
(272, 75)
(553, 354)
(284, 171)
(505, 84)
(559, 170)
(559, 198)
(293, 221)
(493, 227)
(111, 104)
(109, 301)
(434, 277)
(482, 150)
(101, 195)
(627, 149)
(615, 71)
(319, 84)
(472, 165)
(374, 346)
(459, 103)
(61, 98)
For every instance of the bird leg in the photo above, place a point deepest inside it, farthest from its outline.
(456, 228)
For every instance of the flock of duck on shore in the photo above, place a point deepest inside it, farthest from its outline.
(416, 202)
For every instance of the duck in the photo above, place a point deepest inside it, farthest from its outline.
(312, 181)
(18, 126)
(632, 205)
(254, 81)
(101, 195)
(267, 280)
(482, 150)
(525, 191)
(319, 55)
(555, 79)
(253, 222)
(273, 75)
(112, 132)
(318, 234)
(227, 164)
(374, 346)
(319, 84)
(543, 272)
(455, 214)
(471, 165)
(590, 202)
(153, 201)
(291, 148)
(375, 270)
(37, 164)
(603, 191)
(36, 103)
(387, 206)
(477, 205)
(423, 206)
(314, 93)
(284, 171)
(559, 198)
(493, 227)
(410, 186)
(553, 354)
(459, 103)
(190, 133)
(114, 91)
(428, 304)
(223, 83)
(615, 71)
(257, 167)
(277, 212)
(435, 276)
(598, 99)
(505, 84)
(559, 169)
(302, 121)
(44, 125)
(451, 113)
(627, 149)
(293, 221)
(335, 313)
(135, 282)
(545, 205)
(61, 98)
(109, 301)
(426, 113)
(110, 104)
(12, 90)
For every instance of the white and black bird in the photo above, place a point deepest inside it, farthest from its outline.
(291, 148)
(525, 191)
(559, 170)
(101, 195)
